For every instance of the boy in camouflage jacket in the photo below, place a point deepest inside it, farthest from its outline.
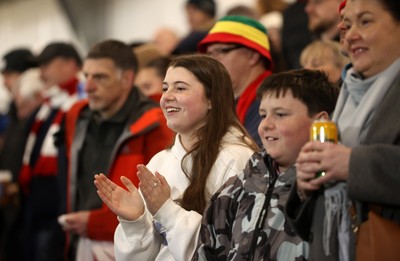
(245, 219)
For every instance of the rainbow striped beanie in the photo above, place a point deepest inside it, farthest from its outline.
(240, 30)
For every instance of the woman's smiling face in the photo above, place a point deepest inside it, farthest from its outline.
(184, 103)
(372, 36)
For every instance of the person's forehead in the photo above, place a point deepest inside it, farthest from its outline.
(179, 72)
(147, 70)
(323, 3)
(99, 62)
(100, 66)
(321, 52)
(147, 73)
(53, 61)
(285, 93)
(284, 100)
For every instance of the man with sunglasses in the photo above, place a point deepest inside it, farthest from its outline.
(241, 44)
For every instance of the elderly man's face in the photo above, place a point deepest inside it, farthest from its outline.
(235, 58)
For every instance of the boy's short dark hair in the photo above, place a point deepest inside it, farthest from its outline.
(312, 87)
(120, 53)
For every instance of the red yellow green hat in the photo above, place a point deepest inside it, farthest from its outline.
(240, 30)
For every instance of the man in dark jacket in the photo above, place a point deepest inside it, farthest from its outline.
(12, 143)
(59, 64)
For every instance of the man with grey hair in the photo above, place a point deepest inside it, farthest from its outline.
(111, 132)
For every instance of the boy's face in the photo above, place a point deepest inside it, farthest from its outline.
(284, 128)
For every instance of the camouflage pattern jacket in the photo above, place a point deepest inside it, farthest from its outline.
(245, 219)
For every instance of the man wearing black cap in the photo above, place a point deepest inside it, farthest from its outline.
(15, 63)
(59, 65)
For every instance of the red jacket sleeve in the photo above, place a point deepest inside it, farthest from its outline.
(102, 222)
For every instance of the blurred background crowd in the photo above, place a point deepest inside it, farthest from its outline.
(36, 32)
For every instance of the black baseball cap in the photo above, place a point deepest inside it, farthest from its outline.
(59, 49)
(18, 60)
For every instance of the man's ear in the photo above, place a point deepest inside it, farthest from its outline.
(322, 115)
(255, 57)
(128, 77)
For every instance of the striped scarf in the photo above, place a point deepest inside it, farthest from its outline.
(58, 100)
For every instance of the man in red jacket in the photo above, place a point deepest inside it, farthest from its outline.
(111, 132)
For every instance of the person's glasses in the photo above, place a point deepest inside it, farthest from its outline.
(219, 52)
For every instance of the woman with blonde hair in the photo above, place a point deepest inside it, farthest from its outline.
(324, 55)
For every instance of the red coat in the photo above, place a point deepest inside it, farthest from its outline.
(146, 135)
